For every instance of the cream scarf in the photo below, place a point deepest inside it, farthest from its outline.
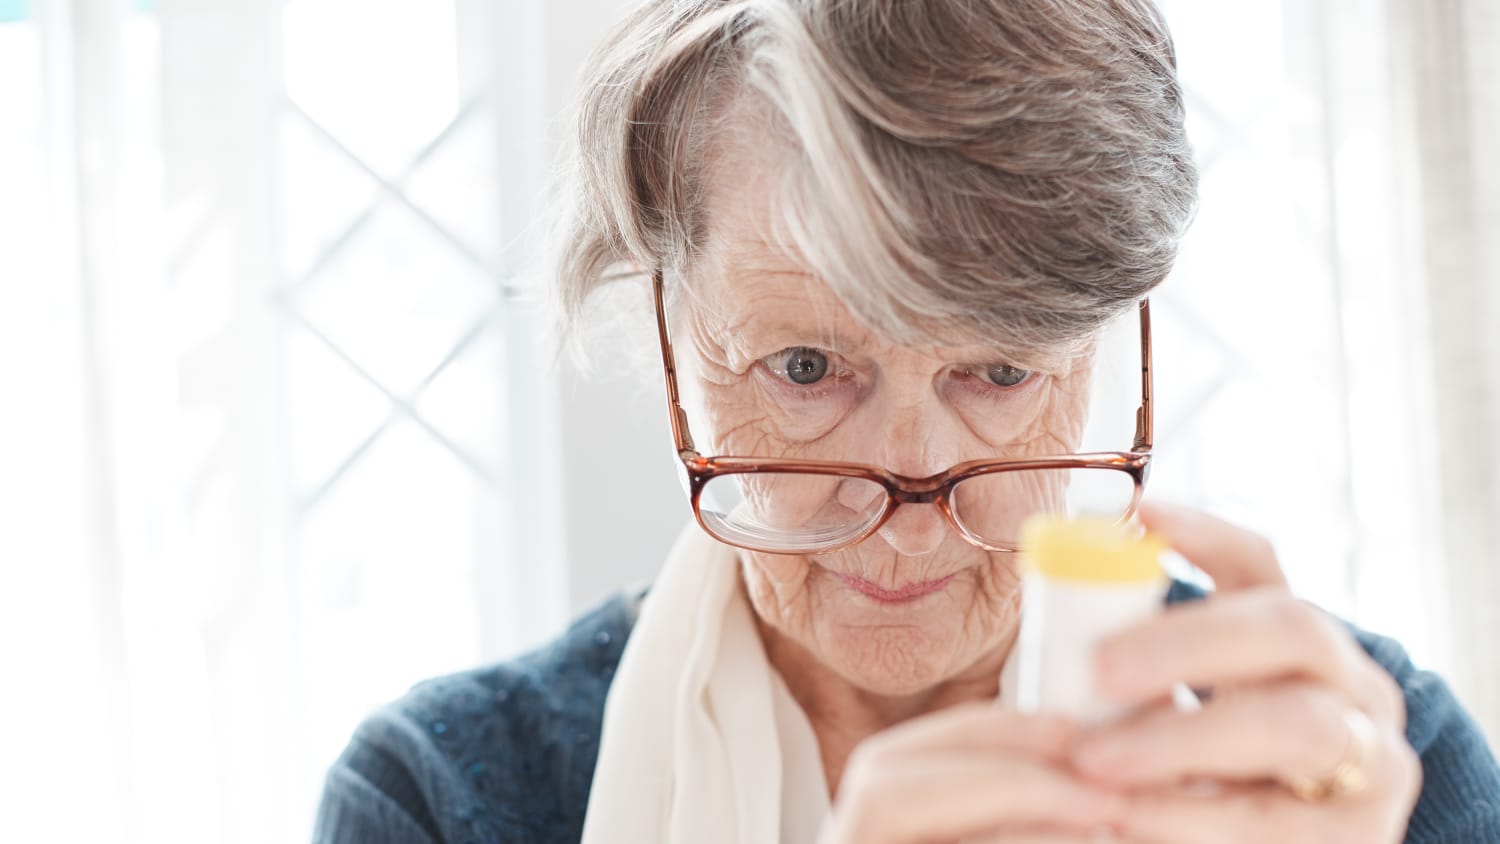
(702, 741)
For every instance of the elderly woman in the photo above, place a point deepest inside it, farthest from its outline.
(881, 238)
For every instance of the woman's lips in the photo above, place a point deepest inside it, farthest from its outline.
(906, 594)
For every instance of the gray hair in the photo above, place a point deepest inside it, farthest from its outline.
(999, 169)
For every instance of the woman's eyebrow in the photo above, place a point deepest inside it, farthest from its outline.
(812, 334)
(1045, 360)
(848, 338)
(786, 327)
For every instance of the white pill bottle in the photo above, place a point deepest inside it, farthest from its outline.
(1082, 581)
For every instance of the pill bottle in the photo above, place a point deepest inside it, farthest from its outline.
(1082, 580)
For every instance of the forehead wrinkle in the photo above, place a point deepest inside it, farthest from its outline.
(765, 303)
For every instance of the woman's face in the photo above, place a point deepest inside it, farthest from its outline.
(775, 366)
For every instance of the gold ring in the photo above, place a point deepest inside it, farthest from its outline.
(1352, 775)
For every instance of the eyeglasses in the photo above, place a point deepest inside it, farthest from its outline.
(796, 506)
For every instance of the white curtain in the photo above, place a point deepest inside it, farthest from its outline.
(275, 395)
(1447, 68)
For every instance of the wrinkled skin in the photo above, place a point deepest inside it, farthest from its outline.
(857, 664)
(915, 412)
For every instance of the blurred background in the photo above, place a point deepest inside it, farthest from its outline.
(281, 436)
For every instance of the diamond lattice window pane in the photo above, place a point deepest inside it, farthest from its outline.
(447, 185)
(397, 298)
(331, 410)
(464, 404)
(322, 193)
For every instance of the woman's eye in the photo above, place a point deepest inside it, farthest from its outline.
(1005, 375)
(802, 365)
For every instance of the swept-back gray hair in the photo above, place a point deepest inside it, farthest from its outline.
(1009, 169)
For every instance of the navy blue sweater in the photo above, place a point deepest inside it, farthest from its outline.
(506, 753)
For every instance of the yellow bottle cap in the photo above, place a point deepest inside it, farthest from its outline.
(1092, 550)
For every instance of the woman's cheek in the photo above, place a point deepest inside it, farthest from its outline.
(781, 590)
(1049, 420)
(1004, 424)
(1057, 427)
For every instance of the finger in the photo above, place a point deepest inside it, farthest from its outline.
(1228, 815)
(1236, 558)
(954, 794)
(980, 726)
(1245, 638)
(1285, 731)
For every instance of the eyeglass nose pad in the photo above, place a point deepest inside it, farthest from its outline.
(681, 471)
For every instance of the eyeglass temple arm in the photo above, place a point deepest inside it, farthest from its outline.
(1145, 415)
(680, 434)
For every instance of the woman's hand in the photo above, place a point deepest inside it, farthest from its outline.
(972, 772)
(1285, 678)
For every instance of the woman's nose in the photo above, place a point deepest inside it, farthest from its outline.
(919, 438)
(915, 529)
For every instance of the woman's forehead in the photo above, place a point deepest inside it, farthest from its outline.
(759, 286)
(757, 302)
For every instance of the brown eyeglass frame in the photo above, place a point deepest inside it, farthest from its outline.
(899, 489)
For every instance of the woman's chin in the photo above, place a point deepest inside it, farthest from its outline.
(892, 638)
(897, 649)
